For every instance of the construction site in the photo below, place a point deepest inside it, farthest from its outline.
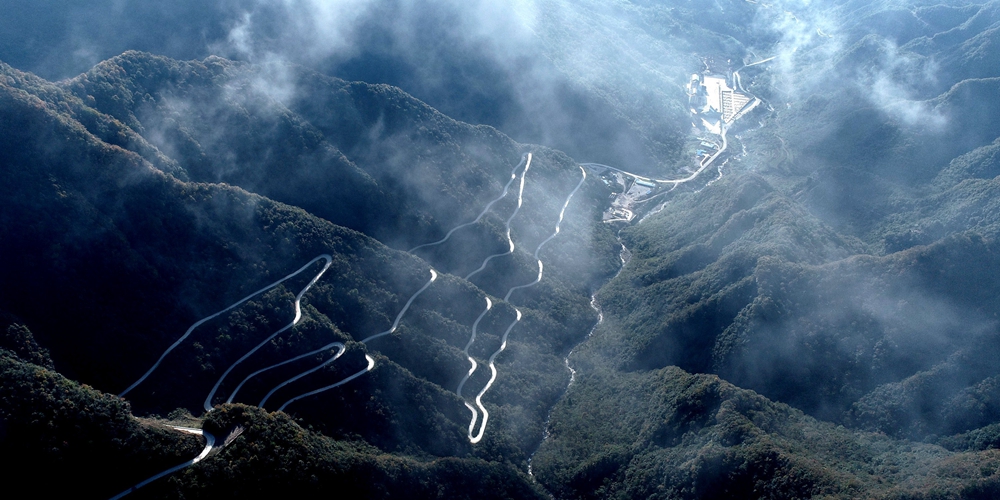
(714, 104)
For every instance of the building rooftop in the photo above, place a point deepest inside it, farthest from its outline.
(716, 102)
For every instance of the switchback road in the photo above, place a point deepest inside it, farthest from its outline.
(209, 444)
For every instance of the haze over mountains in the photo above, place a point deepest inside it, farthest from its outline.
(815, 314)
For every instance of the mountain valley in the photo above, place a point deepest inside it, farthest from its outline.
(333, 271)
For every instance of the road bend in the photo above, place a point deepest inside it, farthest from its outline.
(701, 167)
(493, 376)
(371, 361)
(513, 176)
(510, 241)
(333, 345)
(303, 374)
(327, 257)
(475, 438)
(298, 316)
(472, 368)
(209, 444)
(371, 364)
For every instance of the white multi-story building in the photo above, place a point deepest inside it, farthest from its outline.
(714, 102)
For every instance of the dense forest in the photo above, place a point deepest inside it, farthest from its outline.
(327, 262)
(133, 239)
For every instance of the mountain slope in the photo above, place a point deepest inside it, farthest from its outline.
(115, 258)
(843, 263)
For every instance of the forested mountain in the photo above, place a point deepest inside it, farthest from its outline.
(845, 265)
(384, 264)
(128, 244)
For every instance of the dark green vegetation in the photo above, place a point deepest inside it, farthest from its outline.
(124, 225)
(90, 438)
(679, 435)
(846, 267)
(818, 321)
(276, 456)
(99, 449)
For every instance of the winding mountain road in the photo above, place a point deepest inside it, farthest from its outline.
(339, 347)
(472, 369)
(371, 364)
(298, 316)
(562, 214)
(513, 175)
(705, 164)
(340, 350)
(510, 241)
(493, 377)
(395, 323)
(327, 257)
(526, 161)
(209, 444)
(475, 438)
(303, 374)
(371, 361)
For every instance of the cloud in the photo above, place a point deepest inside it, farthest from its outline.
(312, 30)
(895, 82)
(808, 39)
(300, 28)
(240, 37)
(819, 51)
(543, 73)
(272, 79)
